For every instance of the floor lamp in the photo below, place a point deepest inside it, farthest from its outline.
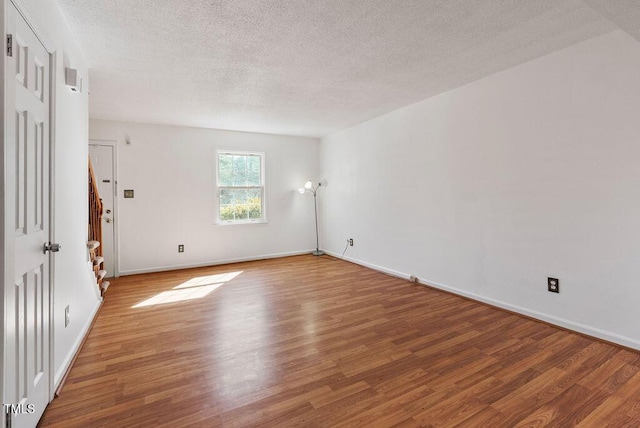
(308, 187)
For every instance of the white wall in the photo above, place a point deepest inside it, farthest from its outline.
(172, 171)
(72, 284)
(4, 259)
(488, 189)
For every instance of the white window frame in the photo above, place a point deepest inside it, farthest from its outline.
(262, 188)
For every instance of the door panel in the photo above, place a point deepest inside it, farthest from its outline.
(27, 298)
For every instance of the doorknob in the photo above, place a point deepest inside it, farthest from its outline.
(107, 219)
(54, 248)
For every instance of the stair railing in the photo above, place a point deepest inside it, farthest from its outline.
(95, 211)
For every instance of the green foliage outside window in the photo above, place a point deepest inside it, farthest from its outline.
(252, 210)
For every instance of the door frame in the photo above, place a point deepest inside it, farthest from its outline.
(6, 261)
(116, 209)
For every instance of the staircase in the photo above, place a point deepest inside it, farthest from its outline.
(98, 264)
(95, 233)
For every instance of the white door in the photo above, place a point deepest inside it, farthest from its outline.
(27, 288)
(102, 158)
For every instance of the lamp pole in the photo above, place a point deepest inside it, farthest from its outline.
(317, 252)
(308, 187)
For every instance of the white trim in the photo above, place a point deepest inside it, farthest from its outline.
(561, 322)
(240, 223)
(76, 346)
(52, 216)
(215, 262)
(116, 203)
(3, 196)
(30, 16)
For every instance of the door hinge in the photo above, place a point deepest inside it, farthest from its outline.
(9, 45)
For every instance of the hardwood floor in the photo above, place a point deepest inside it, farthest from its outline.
(315, 341)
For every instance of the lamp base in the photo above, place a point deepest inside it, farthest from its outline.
(318, 253)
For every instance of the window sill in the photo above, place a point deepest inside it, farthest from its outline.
(240, 223)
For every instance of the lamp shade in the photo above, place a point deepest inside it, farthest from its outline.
(301, 190)
(308, 185)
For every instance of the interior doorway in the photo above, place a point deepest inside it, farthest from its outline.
(103, 158)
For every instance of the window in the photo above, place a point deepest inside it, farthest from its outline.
(240, 178)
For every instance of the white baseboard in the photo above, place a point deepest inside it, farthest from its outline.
(561, 322)
(76, 347)
(213, 263)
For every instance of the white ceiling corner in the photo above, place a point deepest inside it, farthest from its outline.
(310, 67)
(625, 14)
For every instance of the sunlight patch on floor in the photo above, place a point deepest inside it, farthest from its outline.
(209, 279)
(195, 288)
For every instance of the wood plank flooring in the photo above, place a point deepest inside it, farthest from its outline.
(315, 341)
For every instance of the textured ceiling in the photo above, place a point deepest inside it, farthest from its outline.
(311, 67)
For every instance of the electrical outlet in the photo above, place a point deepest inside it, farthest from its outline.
(413, 279)
(553, 285)
(181, 248)
(66, 316)
(351, 242)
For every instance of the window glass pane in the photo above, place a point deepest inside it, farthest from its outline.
(241, 211)
(239, 196)
(225, 172)
(227, 211)
(240, 204)
(240, 170)
(226, 196)
(254, 204)
(254, 175)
